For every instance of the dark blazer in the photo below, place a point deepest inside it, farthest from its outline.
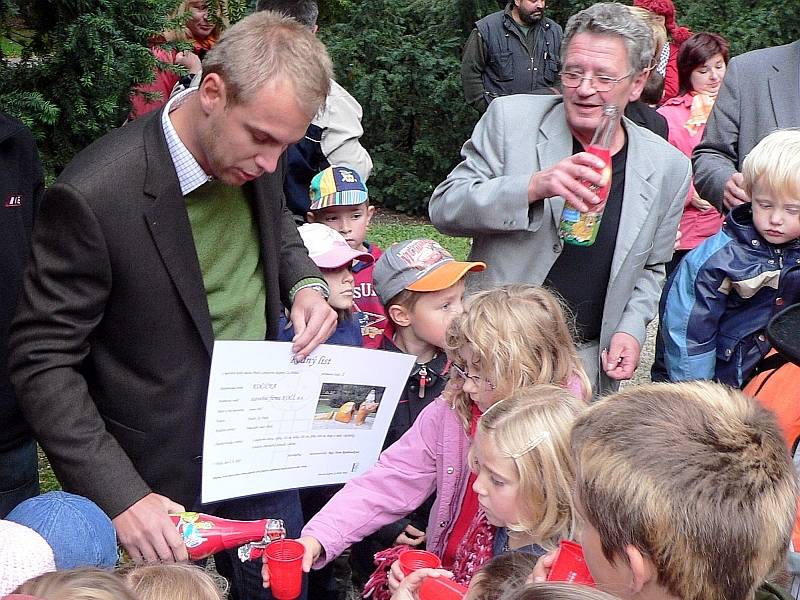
(21, 187)
(111, 346)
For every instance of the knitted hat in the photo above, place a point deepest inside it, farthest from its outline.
(23, 555)
(80, 534)
(337, 186)
(666, 9)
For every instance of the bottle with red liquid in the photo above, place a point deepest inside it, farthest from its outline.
(579, 228)
(205, 535)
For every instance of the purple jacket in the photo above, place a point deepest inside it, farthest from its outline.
(431, 456)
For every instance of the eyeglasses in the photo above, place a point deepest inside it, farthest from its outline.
(601, 83)
(477, 380)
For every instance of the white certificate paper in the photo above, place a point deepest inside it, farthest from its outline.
(274, 424)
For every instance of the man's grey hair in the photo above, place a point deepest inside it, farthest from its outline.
(613, 18)
(305, 11)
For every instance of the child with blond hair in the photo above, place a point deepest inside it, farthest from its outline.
(174, 581)
(719, 300)
(508, 338)
(683, 491)
(88, 583)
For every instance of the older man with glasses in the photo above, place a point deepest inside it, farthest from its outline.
(526, 161)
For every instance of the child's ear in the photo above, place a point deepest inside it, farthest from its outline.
(643, 571)
(399, 314)
(310, 217)
(370, 214)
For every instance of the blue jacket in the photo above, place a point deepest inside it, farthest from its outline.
(720, 298)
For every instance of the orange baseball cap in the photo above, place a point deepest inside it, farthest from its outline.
(419, 266)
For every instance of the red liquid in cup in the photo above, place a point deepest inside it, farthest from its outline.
(441, 588)
(411, 560)
(570, 565)
(285, 561)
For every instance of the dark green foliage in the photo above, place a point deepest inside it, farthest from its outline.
(73, 79)
(401, 60)
(79, 61)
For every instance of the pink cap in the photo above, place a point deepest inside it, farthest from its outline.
(328, 249)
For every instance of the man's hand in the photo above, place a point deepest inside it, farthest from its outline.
(313, 552)
(407, 589)
(566, 179)
(734, 194)
(313, 319)
(148, 534)
(410, 536)
(622, 356)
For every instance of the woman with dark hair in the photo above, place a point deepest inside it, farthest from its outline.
(702, 61)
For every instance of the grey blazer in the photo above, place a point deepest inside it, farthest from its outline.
(486, 197)
(760, 93)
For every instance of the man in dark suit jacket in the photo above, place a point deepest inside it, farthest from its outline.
(758, 96)
(21, 187)
(156, 240)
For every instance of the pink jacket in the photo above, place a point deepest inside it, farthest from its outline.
(696, 225)
(431, 456)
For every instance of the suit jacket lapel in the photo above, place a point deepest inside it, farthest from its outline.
(556, 145)
(637, 198)
(784, 87)
(172, 233)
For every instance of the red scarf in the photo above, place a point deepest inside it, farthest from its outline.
(475, 549)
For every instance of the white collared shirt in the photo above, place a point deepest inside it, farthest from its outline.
(190, 174)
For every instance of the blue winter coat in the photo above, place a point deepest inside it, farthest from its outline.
(720, 298)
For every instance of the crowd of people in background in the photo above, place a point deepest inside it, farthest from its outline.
(233, 205)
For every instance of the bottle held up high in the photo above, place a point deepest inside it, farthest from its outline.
(579, 228)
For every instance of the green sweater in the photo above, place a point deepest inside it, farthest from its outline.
(228, 248)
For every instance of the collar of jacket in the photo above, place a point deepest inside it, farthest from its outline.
(739, 225)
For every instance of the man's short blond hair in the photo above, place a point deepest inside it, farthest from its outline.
(774, 163)
(266, 48)
(697, 477)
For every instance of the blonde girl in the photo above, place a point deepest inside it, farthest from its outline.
(170, 582)
(508, 338)
(524, 471)
(77, 584)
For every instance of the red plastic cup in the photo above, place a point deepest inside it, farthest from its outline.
(570, 565)
(411, 560)
(441, 588)
(285, 561)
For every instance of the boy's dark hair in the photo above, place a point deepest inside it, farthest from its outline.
(696, 476)
(653, 89)
(304, 11)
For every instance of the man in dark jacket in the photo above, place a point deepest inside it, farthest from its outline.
(21, 186)
(512, 51)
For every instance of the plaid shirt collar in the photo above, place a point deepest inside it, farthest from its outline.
(190, 174)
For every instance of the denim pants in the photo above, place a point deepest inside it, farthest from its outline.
(19, 476)
(245, 578)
